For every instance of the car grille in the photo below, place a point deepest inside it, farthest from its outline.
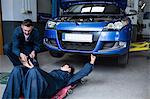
(84, 46)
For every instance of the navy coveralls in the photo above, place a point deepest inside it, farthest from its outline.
(35, 83)
(19, 45)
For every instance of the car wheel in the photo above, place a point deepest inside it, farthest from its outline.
(123, 60)
(134, 33)
(56, 54)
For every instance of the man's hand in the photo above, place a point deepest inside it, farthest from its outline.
(27, 64)
(30, 65)
(32, 54)
(23, 57)
(93, 58)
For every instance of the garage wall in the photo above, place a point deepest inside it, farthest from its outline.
(15, 11)
(44, 10)
(44, 6)
(1, 35)
(147, 7)
(7, 14)
(18, 10)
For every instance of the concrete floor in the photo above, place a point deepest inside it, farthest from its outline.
(107, 81)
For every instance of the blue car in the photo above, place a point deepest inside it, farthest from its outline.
(86, 27)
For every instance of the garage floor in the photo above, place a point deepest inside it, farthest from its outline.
(107, 81)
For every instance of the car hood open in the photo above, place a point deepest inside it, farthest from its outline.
(120, 3)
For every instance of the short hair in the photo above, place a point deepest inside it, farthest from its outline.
(27, 22)
(72, 68)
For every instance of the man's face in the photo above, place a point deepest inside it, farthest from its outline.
(27, 30)
(66, 68)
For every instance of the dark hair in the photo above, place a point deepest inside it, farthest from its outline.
(72, 68)
(27, 22)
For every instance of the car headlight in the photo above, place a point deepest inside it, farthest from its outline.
(51, 24)
(110, 26)
(122, 44)
(116, 26)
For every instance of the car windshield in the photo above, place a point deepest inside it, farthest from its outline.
(93, 9)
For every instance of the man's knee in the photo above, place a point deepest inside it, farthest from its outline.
(33, 71)
(17, 70)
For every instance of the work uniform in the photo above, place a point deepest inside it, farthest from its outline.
(35, 83)
(22, 44)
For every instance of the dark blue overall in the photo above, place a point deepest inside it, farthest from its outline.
(19, 45)
(35, 83)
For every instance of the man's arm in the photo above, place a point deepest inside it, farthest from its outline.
(87, 69)
(36, 46)
(15, 43)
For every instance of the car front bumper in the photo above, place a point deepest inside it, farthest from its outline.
(108, 44)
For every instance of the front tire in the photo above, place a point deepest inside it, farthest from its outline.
(123, 60)
(56, 54)
(134, 33)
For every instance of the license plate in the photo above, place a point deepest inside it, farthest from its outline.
(77, 37)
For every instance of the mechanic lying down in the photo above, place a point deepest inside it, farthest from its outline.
(31, 82)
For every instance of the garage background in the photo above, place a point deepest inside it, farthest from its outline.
(15, 11)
